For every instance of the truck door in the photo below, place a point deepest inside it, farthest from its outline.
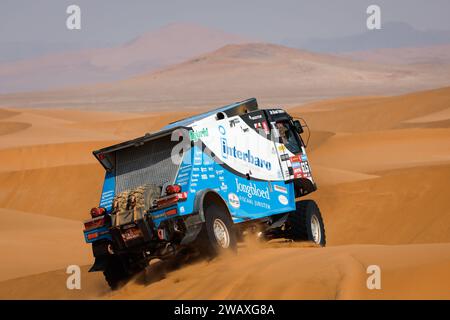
(290, 147)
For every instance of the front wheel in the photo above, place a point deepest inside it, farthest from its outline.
(306, 223)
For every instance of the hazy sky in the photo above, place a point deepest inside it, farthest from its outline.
(114, 21)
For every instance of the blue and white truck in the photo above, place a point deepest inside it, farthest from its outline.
(200, 184)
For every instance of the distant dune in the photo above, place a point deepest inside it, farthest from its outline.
(382, 165)
(431, 55)
(152, 50)
(393, 34)
(274, 74)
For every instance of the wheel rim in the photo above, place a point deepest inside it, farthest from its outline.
(315, 229)
(221, 233)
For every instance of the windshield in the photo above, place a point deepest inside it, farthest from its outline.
(288, 137)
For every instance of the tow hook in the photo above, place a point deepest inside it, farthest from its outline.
(168, 250)
(110, 248)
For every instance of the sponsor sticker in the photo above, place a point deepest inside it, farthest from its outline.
(283, 200)
(161, 215)
(234, 122)
(259, 116)
(280, 188)
(233, 200)
(222, 130)
(252, 189)
(265, 127)
(277, 111)
(243, 155)
(195, 135)
(298, 173)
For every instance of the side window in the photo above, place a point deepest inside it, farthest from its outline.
(288, 137)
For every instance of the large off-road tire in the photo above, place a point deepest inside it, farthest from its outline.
(115, 273)
(306, 223)
(218, 234)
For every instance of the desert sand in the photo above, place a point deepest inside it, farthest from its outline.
(382, 166)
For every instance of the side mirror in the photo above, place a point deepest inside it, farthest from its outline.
(298, 126)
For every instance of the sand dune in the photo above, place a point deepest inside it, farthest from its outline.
(65, 191)
(332, 176)
(49, 155)
(383, 191)
(12, 127)
(400, 207)
(374, 151)
(275, 74)
(152, 50)
(52, 285)
(442, 115)
(40, 129)
(437, 54)
(4, 114)
(131, 128)
(353, 115)
(412, 272)
(88, 118)
(32, 243)
(330, 273)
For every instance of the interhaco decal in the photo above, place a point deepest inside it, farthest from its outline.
(243, 155)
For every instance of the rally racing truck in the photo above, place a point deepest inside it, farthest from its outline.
(202, 184)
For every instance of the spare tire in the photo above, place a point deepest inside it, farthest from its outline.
(131, 205)
(141, 199)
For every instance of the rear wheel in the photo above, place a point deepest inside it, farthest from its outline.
(115, 273)
(218, 234)
(306, 223)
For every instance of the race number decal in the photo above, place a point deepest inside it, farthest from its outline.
(305, 167)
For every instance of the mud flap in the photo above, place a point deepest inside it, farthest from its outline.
(99, 264)
(193, 227)
(191, 234)
(279, 222)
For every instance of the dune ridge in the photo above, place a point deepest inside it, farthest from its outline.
(273, 73)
